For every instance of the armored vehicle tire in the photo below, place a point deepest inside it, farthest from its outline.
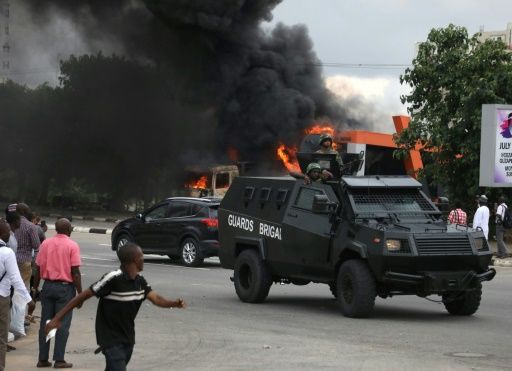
(463, 303)
(122, 240)
(356, 289)
(190, 255)
(252, 277)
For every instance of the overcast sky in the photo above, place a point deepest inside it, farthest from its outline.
(382, 32)
(367, 32)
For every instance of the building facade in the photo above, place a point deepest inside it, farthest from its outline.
(504, 35)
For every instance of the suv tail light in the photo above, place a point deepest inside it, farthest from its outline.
(211, 222)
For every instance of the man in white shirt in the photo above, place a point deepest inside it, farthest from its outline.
(481, 218)
(500, 230)
(9, 276)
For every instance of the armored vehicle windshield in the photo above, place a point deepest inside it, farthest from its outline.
(373, 197)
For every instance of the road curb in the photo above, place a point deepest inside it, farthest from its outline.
(502, 262)
(87, 230)
(81, 217)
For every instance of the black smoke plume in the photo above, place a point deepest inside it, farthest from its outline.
(256, 88)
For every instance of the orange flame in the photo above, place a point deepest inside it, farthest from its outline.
(198, 184)
(287, 156)
(324, 128)
(320, 129)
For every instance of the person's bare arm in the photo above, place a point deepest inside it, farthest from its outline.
(77, 281)
(77, 301)
(326, 175)
(162, 302)
(37, 280)
(77, 278)
(298, 175)
(34, 240)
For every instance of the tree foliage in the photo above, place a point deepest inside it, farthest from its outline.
(113, 127)
(451, 77)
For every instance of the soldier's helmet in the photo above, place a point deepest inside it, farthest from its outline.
(313, 166)
(324, 137)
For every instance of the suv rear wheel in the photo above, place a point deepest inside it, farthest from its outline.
(190, 255)
(356, 289)
(252, 277)
(122, 240)
(463, 303)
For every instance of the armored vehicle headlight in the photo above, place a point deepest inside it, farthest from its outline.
(393, 245)
(480, 243)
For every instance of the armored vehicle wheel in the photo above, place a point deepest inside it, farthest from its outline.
(356, 289)
(463, 303)
(252, 277)
(190, 255)
(334, 289)
(122, 240)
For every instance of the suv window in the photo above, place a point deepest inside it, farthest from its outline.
(214, 212)
(196, 209)
(179, 209)
(305, 198)
(222, 180)
(158, 212)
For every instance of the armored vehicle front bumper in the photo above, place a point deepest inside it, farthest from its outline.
(440, 281)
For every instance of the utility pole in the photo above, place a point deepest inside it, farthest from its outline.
(5, 38)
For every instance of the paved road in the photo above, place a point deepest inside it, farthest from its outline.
(296, 328)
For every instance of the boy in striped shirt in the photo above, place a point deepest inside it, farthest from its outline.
(121, 293)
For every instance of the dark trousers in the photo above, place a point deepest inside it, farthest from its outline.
(117, 357)
(502, 248)
(4, 327)
(54, 296)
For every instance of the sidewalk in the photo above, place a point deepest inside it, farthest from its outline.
(79, 350)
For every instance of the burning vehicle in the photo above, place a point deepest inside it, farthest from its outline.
(209, 182)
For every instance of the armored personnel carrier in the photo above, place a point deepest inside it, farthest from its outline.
(363, 236)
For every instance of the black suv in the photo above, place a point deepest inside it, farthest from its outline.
(180, 227)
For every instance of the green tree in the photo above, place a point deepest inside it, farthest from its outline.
(451, 77)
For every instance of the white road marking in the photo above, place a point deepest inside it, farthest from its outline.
(105, 244)
(173, 266)
(94, 258)
(110, 266)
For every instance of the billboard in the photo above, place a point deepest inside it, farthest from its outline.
(496, 146)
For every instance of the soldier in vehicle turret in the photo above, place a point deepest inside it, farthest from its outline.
(325, 143)
(314, 173)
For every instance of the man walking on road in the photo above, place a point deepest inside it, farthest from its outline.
(9, 276)
(481, 217)
(28, 243)
(121, 293)
(58, 263)
(500, 229)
